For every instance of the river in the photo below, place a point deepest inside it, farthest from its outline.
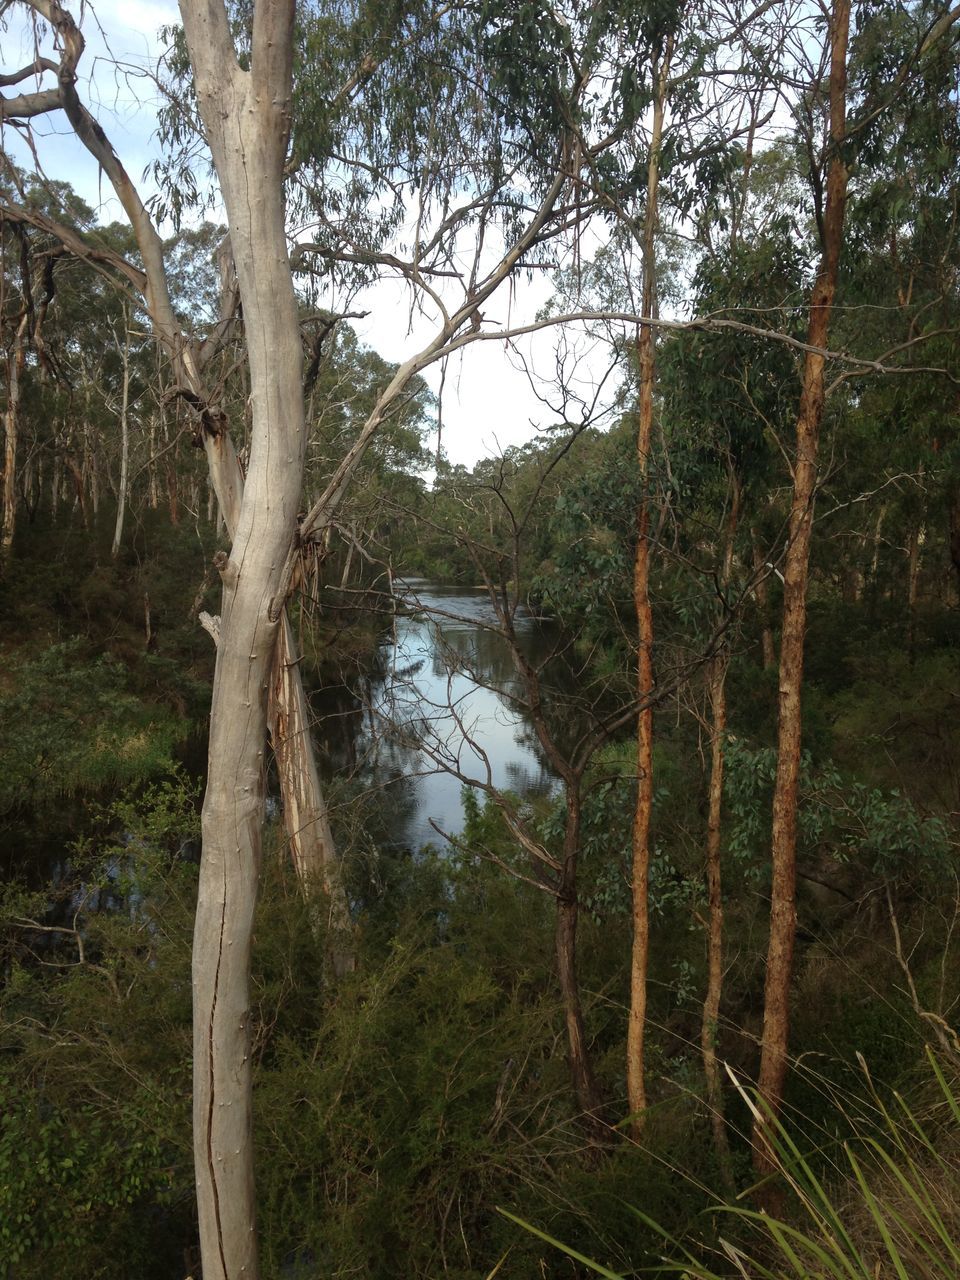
(440, 715)
(439, 698)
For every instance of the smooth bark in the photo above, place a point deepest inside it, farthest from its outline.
(640, 952)
(246, 114)
(779, 969)
(187, 360)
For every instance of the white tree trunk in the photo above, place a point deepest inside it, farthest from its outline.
(246, 114)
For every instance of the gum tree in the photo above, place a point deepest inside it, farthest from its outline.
(510, 198)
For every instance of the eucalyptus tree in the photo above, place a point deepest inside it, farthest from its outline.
(829, 132)
(510, 111)
(15, 321)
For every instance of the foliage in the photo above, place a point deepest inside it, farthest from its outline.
(70, 725)
(884, 1201)
(881, 832)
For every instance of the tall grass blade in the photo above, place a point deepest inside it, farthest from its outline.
(877, 1216)
(598, 1267)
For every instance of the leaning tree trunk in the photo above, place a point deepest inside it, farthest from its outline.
(779, 971)
(640, 952)
(305, 816)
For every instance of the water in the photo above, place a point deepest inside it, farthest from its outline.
(438, 715)
(445, 712)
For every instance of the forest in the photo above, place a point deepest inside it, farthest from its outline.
(548, 866)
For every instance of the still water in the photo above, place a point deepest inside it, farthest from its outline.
(437, 714)
(441, 715)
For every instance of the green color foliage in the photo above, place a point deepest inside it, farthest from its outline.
(71, 725)
(881, 833)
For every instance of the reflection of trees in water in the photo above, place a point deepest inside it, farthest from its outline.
(573, 700)
(369, 775)
(483, 653)
(385, 728)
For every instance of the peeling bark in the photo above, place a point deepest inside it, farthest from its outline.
(783, 918)
(11, 423)
(306, 820)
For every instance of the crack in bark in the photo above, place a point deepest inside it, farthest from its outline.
(210, 1110)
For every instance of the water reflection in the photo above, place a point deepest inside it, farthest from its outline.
(442, 714)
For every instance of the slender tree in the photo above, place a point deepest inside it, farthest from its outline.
(779, 969)
(646, 352)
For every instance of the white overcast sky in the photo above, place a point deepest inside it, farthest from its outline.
(487, 400)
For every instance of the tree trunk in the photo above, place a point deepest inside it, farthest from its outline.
(711, 1004)
(246, 114)
(11, 424)
(305, 816)
(568, 907)
(56, 472)
(640, 956)
(768, 648)
(124, 443)
(779, 970)
(153, 488)
(709, 1027)
(566, 891)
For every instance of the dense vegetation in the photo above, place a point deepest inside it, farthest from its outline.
(429, 1113)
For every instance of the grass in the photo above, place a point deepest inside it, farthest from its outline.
(887, 1205)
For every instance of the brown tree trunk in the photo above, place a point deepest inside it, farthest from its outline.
(563, 883)
(640, 954)
(11, 426)
(779, 970)
(305, 816)
(710, 1024)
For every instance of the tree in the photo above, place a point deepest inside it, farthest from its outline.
(640, 957)
(773, 1052)
(243, 79)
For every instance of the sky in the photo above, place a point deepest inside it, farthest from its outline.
(490, 397)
